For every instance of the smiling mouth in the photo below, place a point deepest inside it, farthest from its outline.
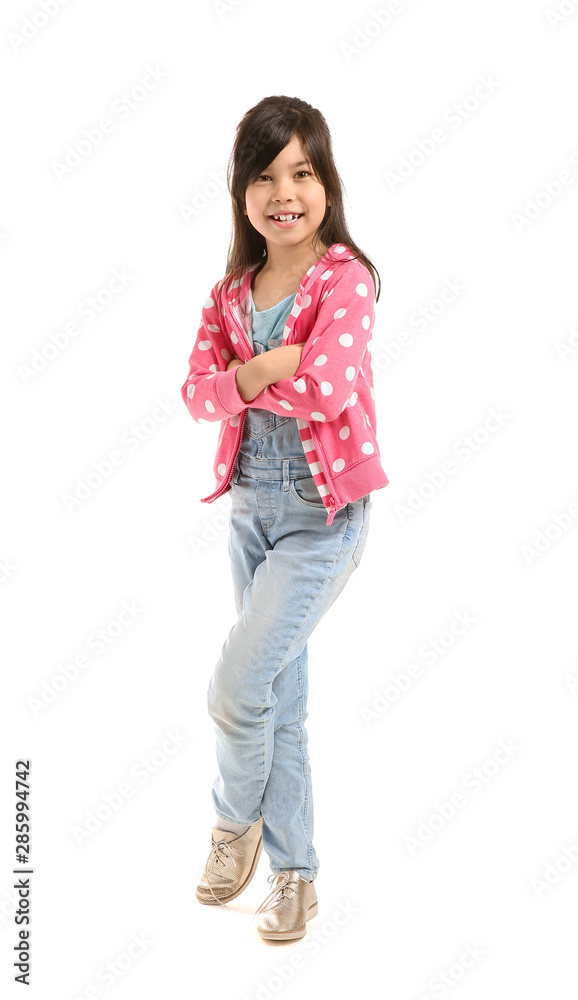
(286, 216)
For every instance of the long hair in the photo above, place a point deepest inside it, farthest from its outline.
(261, 135)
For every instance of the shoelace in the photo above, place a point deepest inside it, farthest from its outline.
(215, 857)
(277, 892)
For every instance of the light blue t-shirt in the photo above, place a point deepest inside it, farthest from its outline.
(270, 323)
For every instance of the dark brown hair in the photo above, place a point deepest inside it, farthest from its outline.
(261, 135)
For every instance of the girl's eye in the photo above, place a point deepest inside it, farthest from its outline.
(299, 172)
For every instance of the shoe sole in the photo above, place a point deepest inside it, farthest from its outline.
(211, 901)
(290, 935)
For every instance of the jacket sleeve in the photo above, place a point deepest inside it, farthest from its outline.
(332, 355)
(210, 391)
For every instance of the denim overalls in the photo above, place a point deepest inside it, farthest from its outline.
(288, 568)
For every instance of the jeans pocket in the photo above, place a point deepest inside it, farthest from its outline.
(306, 493)
(362, 537)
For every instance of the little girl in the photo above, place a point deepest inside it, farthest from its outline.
(282, 359)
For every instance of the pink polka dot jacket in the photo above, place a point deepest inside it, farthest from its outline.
(331, 394)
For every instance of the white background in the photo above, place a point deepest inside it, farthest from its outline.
(493, 876)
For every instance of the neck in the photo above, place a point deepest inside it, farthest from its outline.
(294, 261)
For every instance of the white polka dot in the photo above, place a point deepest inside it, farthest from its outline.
(221, 469)
(300, 385)
(339, 249)
(317, 416)
(213, 328)
(367, 447)
(344, 433)
(339, 313)
(201, 421)
(204, 345)
(225, 354)
(234, 420)
(321, 359)
(305, 301)
(353, 399)
(361, 289)
(325, 275)
(190, 390)
(338, 464)
(234, 337)
(326, 388)
(209, 406)
(213, 368)
(285, 404)
(350, 373)
(209, 303)
(314, 341)
(372, 392)
(346, 340)
(365, 322)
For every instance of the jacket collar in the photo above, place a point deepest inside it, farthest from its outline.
(336, 252)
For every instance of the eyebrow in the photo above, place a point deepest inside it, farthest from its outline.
(300, 164)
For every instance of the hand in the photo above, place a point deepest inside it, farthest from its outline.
(234, 363)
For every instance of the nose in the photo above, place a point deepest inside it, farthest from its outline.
(283, 191)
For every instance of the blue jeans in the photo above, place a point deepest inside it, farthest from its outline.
(288, 568)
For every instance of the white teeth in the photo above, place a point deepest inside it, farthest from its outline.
(285, 218)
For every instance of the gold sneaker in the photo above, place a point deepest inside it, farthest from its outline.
(231, 864)
(291, 902)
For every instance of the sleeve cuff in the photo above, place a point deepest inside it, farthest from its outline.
(227, 392)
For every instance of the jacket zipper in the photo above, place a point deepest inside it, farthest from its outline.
(225, 485)
(321, 456)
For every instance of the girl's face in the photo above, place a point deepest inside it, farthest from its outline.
(288, 186)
